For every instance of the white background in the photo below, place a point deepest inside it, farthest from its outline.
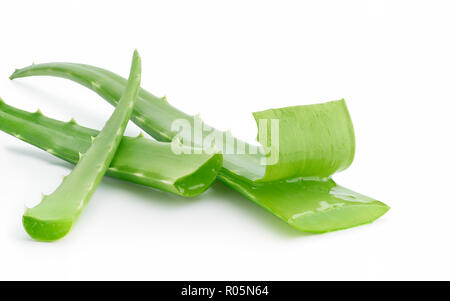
(225, 59)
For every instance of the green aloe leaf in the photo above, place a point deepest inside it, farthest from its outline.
(297, 188)
(53, 218)
(138, 159)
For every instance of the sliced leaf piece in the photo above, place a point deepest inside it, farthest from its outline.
(138, 159)
(312, 140)
(53, 218)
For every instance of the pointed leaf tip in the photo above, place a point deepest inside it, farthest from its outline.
(136, 56)
(14, 74)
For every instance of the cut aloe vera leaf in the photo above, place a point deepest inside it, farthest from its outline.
(138, 159)
(315, 140)
(154, 115)
(55, 215)
(242, 172)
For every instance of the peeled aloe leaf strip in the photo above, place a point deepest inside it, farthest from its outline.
(297, 189)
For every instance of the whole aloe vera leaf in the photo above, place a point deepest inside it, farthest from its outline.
(137, 159)
(53, 218)
(312, 207)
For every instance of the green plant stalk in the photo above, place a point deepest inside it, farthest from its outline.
(53, 218)
(313, 204)
(137, 159)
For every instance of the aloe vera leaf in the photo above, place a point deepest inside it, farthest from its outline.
(53, 218)
(240, 172)
(154, 115)
(137, 159)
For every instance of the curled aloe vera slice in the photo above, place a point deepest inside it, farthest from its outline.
(138, 159)
(53, 218)
(280, 189)
(313, 140)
